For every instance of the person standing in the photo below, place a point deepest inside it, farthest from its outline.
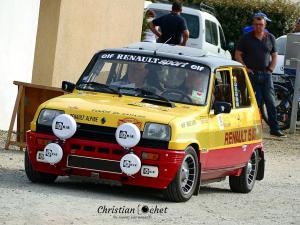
(173, 27)
(257, 51)
(148, 35)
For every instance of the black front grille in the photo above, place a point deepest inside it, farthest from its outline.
(96, 133)
(94, 164)
(103, 134)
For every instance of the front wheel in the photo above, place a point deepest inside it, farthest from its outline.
(183, 186)
(245, 182)
(35, 176)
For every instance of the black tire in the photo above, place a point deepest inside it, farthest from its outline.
(35, 176)
(180, 190)
(245, 182)
(281, 97)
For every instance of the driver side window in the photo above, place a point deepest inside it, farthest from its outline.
(222, 87)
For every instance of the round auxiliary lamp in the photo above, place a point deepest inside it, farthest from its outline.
(128, 135)
(63, 126)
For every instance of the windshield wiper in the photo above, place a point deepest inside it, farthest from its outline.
(100, 85)
(147, 93)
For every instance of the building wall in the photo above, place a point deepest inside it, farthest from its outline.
(84, 27)
(18, 25)
(46, 41)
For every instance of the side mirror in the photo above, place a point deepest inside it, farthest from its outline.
(222, 107)
(231, 46)
(67, 86)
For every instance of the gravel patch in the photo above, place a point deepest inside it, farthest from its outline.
(275, 200)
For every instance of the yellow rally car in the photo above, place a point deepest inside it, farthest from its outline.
(152, 115)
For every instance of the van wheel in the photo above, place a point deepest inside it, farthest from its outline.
(183, 186)
(245, 182)
(35, 176)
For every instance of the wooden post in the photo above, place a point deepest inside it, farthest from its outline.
(13, 117)
(21, 133)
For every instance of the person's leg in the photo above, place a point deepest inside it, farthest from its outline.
(269, 99)
(254, 78)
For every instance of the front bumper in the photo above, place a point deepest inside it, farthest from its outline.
(85, 158)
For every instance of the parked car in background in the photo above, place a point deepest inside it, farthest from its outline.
(279, 69)
(205, 30)
(283, 79)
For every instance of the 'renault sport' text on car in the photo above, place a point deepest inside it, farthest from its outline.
(152, 115)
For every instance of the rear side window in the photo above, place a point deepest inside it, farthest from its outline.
(211, 32)
(241, 92)
(192, 21)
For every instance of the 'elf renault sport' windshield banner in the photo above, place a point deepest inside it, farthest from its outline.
(152, 60)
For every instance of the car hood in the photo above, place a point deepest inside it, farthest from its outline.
(112, 110)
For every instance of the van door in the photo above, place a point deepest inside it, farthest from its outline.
(222, 126)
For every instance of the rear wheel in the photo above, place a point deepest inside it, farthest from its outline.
(35, 176)
(184, 184)
(245, 182)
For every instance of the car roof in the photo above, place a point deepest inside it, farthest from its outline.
(179, 53)
(168, 7)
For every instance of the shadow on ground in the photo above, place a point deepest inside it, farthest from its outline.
(16, 179)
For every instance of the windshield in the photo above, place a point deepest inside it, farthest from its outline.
(280, 45)
(147, 76)
(192, 21)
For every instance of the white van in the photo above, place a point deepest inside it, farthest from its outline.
(205, 30)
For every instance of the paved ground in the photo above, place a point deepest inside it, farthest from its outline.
(275, 200)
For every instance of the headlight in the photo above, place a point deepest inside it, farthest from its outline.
(157, 131)
(47, 116)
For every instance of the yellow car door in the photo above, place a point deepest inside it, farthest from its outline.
(223, 125)
(248, 113)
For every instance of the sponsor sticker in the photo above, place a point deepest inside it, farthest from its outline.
(220, 122)
(130, 120)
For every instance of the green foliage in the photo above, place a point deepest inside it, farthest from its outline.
(236, 14)
(144, 27)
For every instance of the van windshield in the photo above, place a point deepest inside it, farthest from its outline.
(136, 75)
(192, 21)
(281, 45)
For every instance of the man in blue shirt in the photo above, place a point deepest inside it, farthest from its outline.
(257, 51)
(173, 27)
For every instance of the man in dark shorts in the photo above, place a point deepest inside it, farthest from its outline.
(257, 51)
(173, 27)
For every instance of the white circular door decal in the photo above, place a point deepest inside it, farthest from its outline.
(128, 135)
(130, 164)
(64, 126)
(53, 153)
